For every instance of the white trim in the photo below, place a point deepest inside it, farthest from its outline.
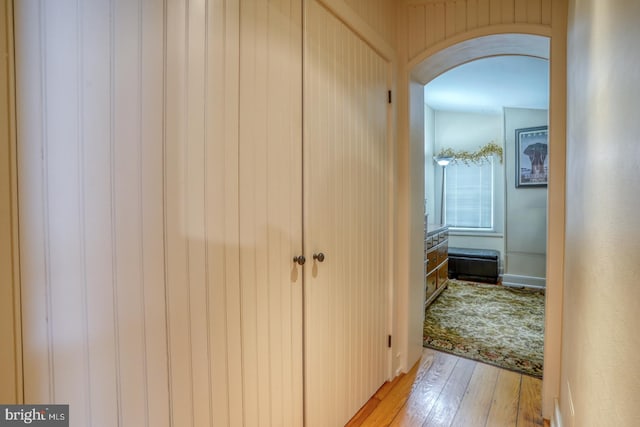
(556, 421)
(515, 280)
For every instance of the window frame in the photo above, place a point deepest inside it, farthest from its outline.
(478, 230)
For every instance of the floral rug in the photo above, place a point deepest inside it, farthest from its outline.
(493, 324)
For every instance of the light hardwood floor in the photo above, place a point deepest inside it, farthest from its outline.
(446, 390)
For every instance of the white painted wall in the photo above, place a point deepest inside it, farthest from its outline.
(526, 208)
(600, 340)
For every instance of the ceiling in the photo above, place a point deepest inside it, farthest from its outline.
(489, 84)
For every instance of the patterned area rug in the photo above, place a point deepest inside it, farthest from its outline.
(494, 324)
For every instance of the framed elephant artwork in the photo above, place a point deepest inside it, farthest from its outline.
(532, 165)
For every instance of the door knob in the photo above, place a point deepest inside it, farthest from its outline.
(318, 257)
(300, 259)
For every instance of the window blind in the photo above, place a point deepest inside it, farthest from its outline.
(469, 195)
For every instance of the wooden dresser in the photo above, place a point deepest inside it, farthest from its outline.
(436, 260)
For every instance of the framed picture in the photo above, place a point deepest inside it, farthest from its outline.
(532, 165)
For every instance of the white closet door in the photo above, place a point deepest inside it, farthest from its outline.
(346, 218)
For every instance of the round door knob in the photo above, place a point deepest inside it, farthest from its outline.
(318, 257)
(300, 259)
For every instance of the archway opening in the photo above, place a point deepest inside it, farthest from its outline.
(447, 55)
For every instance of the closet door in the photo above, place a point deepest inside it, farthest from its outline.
(346, 219)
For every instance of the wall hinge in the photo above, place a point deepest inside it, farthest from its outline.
(389, 342)
(389, 94)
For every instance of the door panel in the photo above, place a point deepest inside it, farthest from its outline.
(270, 188)
(346, 218)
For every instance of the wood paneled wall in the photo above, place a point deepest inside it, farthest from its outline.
(160, 171)
(379, 14)
(347, 193)
(90, 126)
(432, 21)
(10, 358)
(160, 195)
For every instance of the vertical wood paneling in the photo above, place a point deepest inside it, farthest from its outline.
(520, 10)
(30, 67)
(10, 369)
(417, 20)
(440, 21)
(127, 214)
(446, 18)
(495, 12)
(545, 14)
(461, 16)
(345, 203)
(283, 211)
(63, 199)
(221, 267)
(232, 190)
(379, 14)
(91, 167)
(104, 378)
(534, 11)
(430, 30)
(270, 211)
(252, 150)
(151, 56)
(232, 306)
(449, 18)
(194, 190)
(176, 232)
(484, 17)
(270, 96)
(508, 11)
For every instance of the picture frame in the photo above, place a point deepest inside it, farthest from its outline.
(532, 162)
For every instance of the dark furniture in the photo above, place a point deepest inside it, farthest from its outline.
(436, 245)
(479, 265)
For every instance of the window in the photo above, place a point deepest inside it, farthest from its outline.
(469, 195)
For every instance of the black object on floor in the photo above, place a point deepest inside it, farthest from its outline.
(479, 265)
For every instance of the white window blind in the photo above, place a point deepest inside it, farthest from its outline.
(469, 195)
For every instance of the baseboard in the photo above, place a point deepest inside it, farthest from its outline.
(517, 281)
(556, 421)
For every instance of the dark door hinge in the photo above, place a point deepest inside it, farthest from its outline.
(389, 342)
(389, 94)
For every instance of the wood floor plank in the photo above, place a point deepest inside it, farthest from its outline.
(445, 390)
(386, 387)
(446, 406)
(504, 405)
(530, 408)
(388, 408)
(474, 408)
(364, 412)
(424, 395)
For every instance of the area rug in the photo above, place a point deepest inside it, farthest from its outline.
(493, 324)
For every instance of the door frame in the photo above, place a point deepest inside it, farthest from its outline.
(486, 42)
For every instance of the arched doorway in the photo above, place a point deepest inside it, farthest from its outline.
(459, 50)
